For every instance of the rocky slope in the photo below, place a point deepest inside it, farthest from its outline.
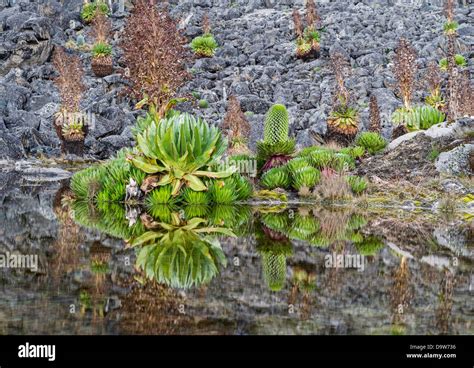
(255, 61)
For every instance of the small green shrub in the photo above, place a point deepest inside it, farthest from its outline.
(357, 184)
(203, 104)
(223, 192)
(372, 142)
(306, 177)
(195, 198)
(160, 195)
(89, 10)
(296, 164)
(355, 152)
(205, 45)
(101, 49)
(276, 178)
(419, 117)
(459, 60)
(450, 27)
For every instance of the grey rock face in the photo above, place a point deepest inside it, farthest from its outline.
(255, 61)
(456, 161)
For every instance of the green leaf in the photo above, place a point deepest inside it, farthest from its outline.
(146, 165)
(194, 183)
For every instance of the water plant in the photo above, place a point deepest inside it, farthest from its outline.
(372, 142)
(276, 148)
(369, 245)
(181, 253)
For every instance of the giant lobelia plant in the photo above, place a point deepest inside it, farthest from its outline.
(180, 150)
(276, 148)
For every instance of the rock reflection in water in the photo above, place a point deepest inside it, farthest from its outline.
(230, 270)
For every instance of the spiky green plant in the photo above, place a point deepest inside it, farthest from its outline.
(355, 152)
(243, 187)
(357, 184)
(223, 191)
(106, 182)
(327, 159)
(101, 49)
(369, 245)
(276, 125)
(276, 147)
(184, 262)
(191, 211)
(306, 177)
(278, 221)
(345, 160)
(195, 198)
(160, 195)
(118, 173)
(296, 164)
(458, 59)
(89, 10)
(181, 149)
(372, 142)
(419, 117)
(303, 227)
(276, 178)
(344, 120)
(204, 46)
(86, 183)
(450, 27)
(161, 212)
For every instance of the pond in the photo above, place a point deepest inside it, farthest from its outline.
(69, 267)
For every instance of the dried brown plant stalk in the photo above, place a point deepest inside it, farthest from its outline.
(100, 27)
(235, 122)
(154, 53)
(339, 66)
(433, 78)
(312, 16)
(449, 10)
(374, 115)
(466, 94)
(453, 90)
(206, 24)
(298, 22)
(69, 79)
(405, 69)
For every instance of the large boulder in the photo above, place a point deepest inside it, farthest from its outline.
(25, 41)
